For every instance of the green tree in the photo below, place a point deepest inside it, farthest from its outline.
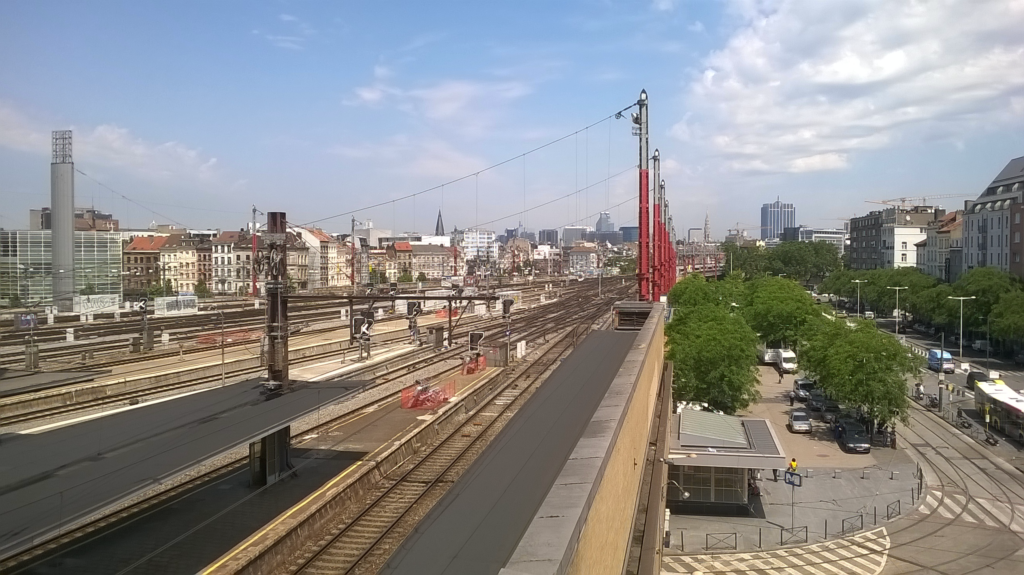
(1008, 316)
(626, 264)
(861, 367)
(422, 277)
(406, 277)
(987, 285)
(714, 355)
(779, 310)
(168, 290)
(89, 289)
(934, 305)
(202, 290)
(155, 291)
(692, 292)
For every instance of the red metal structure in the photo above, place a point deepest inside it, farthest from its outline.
(643, 267)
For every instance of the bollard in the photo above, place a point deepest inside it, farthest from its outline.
(865, 473)
(875, 512)
(810, 472)
(835, 474)
(893, 474)
(826, 529)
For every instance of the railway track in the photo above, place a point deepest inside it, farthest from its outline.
(363, 538)
(541, 322)
(193, 327)
(490, 327)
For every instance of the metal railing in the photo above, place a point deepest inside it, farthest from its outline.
(793, 535)
(892, 510)
(852, 525)
(720, 542)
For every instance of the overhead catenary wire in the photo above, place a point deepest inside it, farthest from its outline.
(471, 174)
(126, 198)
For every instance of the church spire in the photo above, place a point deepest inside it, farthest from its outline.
(439, 228)
(707, 227)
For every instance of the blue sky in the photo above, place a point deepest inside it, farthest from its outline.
(197, 110)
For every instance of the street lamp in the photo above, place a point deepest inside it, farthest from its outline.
(897, 308)
(858, 282)
(962, 298)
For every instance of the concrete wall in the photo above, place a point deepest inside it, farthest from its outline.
(585, 524)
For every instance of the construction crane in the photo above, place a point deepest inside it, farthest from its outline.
(907, 201)
(741, 229)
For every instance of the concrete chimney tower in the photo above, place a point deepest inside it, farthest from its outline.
(62, 220)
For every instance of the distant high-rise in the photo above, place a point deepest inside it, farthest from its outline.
(630, 234)
(573, 234)
(549, 237)
(604, 223)
(707, 227)
(776, 217)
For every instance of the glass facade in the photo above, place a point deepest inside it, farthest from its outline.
(26, 265)
(707, 484)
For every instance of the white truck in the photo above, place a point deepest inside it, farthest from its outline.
(783, 359)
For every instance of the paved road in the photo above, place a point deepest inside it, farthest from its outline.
(48, 479)
(479, 521)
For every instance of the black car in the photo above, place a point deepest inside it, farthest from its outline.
(854, 439)
(976, 376)
(901, 329)
(1018, 359)
(831, 411)
(817, 400)
(844, 419)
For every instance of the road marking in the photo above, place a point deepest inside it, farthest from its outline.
(930, 502)
(947, 514)
(999, 512)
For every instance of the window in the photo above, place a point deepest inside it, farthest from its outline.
(1016, 237)
(904, 247)
(1016, 218)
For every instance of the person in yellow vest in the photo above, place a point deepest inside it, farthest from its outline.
(792, 465)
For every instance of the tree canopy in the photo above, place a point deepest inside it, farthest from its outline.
(805, 262)
(714, 357)
(779, 310)
(861, 367)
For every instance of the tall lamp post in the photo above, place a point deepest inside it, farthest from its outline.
(897, 307)
(858, 282)
(962, 298)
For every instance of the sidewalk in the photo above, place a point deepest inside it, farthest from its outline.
(840, 491)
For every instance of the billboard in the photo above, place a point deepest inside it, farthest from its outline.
(96, 303)
(181, 305)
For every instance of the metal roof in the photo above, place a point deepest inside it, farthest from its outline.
(1013, 172)
(708, 429)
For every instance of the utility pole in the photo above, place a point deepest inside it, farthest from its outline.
(221, 347)
(897, 309)
(656, 231)
(858, 282)
(961, 322)
(643, 258)
(253, 231)
(277, 305)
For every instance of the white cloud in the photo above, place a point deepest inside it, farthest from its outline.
(426, 158)
(697, 26)
(803, 85)
(295, 39)
(109, 145)
(663, 5)
(466, 106)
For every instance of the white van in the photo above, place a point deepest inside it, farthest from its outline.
(786, 361)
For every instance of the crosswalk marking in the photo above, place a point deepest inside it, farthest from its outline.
(863, 554)
(958, 506)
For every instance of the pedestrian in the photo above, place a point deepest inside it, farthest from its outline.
(792, 465)
(775, 474)
(792, 398)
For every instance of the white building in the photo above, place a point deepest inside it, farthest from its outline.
(479, 244)
(901, 230)
(583, 260)
(987, 219)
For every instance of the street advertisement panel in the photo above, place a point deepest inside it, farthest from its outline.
(96, 303)
(181, 305)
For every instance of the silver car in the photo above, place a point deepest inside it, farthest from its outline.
(799, 422)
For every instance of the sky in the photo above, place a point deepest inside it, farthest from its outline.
(496, 113)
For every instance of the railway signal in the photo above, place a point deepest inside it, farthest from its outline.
(506, 307)
(475, 337)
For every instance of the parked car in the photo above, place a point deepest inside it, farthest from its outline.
(1018, 359)
(980, 345)
(799, 422)
(976, 376)
(901, 329)
(802, 387)
(854, 439)
(841, 314)
(816, 402)
(869, 315)
(843, 419)
(831, 411)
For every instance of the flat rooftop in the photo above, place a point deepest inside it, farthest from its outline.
(709, 439)
(61, 475)
(476, 526)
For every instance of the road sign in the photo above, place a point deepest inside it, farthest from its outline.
(27, 321)
(794, 479)
(142, 305)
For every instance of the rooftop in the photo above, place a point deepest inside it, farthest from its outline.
(708, 439)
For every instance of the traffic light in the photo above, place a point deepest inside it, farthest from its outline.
(506, 307)
(393, 287)
(367, 324)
